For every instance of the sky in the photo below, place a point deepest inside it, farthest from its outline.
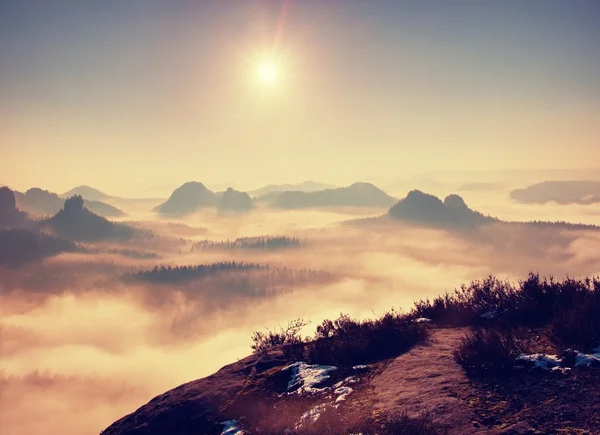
(126, 95)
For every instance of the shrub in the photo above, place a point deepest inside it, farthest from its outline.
(346, 342)
(405, 425)
(487, 351)
(290, 336)
(533, 302)
(466, 305)
(579, 326)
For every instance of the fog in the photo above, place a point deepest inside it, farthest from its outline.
(80, 346)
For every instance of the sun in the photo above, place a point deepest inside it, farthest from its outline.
(267, 72)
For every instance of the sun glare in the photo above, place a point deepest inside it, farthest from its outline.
(267, 72)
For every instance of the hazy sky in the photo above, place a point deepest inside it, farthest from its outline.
(123, 94)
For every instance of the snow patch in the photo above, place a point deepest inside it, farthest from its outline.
(348, 380)
(587, 359)
(422, 320)
(360, 367)
(306, 377)
(343, 393)
(311, 416)
(231, 427)
(542, 361)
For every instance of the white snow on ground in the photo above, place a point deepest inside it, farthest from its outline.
(307, 377)
(587, 359)
(231, 427)
(343, 393)
(312, 415)
(546, 362)
(360, 367)
(422, 320)
(348, 380)
(551, 362)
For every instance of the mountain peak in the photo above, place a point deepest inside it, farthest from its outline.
(455, 201)
(425, 208)
(86, 192)
(188, 198)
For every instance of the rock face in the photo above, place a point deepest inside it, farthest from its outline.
(76, 222)
(193, 408)
(355, 195)
(187, 199)
(239, 392)
(234, 200)
(10, 215)
(8, 203)
(420, 207)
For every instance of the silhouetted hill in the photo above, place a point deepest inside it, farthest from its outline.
(76, 222)
(355, 195)
(561, 192)
(186, 199)
(424, 208)
(306, 186)
(19, 246)
(10, 215)
(43, 203)
(234, 200)
(86, 192)
(103, 209)
(428, 210)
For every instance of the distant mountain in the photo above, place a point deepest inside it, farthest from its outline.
(561, 192)
(76, 222)
(39, 202)
(355, 195)
(103, 209)
(420, 207)
(424, 209)
(43, 203)
(234, 200)
(306, 186)
(10, 215)
(19, 246)
(86, 192)
(187, 199)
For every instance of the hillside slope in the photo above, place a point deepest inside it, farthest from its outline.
(426, 377)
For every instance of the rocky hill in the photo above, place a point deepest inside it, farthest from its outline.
(41, 202)
(492, 358)
(188, 198)
(453, 212)
(75, 222)
(234, 200)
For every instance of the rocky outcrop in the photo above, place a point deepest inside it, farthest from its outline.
(187, 199)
